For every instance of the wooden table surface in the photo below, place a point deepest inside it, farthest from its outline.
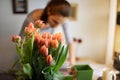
(5, 76)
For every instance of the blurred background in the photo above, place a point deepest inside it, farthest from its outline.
(93, 21)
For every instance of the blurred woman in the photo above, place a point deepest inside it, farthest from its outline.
(56, 12)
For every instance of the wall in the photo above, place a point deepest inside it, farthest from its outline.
(91, 26)
(11, 24)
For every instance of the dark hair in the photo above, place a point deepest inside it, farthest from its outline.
(61, 7)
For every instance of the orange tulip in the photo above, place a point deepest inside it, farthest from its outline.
(16, 38)
(49, 42)
(31, 25)
(49, 59)
(37, 38)
(39, 24)
(54, 43)
(46, 43)
(57, 36)
(46, 35)
(43, 50)
(30, 29)
(41, 41)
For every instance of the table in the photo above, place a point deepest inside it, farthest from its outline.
(6, 76)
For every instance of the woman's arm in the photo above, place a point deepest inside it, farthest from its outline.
(69, 40)
(72, 53)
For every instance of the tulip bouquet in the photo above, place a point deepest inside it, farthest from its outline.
(40, 55)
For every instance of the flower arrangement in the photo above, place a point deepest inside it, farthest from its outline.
(40, 55)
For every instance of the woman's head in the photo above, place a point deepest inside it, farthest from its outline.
(56, 12)
(61, 7)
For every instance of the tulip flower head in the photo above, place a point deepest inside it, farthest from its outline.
(46, 35)
(30, 29)
(54, 43)
(16, 38)
(57, 36)
(49, 59)
(43, 50)
(37, 37)
(39, 24)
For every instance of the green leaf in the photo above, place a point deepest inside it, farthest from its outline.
(19, 51)
(48, 74)
(61, 58)
(52, 51)
(57, 52)
(28, 48)
(27, 69)
(16, 62)
(58, 60)
(60, 76)
(39, 63)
